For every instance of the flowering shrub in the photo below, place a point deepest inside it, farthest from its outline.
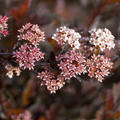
(59, 58)
(70, 62)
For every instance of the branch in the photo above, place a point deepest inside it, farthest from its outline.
(7, 53)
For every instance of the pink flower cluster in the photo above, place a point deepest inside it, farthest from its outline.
(29, 53)
(98, 67)
(3, 25)
(23, 116)
(102, 38)
(52, 81)
(31, 33)
(27, 56)
(71, 64)
(65, 35)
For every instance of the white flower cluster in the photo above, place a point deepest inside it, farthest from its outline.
(102, 38)
(65, 35)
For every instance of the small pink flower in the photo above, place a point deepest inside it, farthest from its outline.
(27, 56)
(52, 81)
(3, 25)
(31, 33)
(71, 64)
(98, 67)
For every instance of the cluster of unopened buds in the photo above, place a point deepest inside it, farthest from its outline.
(70, 61)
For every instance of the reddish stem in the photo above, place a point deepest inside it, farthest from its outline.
(97, 12)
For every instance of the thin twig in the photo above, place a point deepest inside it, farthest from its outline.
(7, 53)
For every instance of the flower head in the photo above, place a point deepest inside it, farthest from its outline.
(31, 33)
(23, 116)
(11, 70)
(102, 38)
(3, 25)
(27, 56)
(65, 35)
(98, 67)
(71, 64)
(50, 80)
